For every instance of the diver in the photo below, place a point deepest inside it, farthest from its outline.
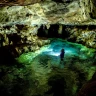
(62, 54)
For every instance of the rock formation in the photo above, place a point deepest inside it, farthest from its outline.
(22, 23)
(18, 2)
(88, 8)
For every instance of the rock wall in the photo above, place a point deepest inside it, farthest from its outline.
(85, 35)
(93, 15)
(88, 8)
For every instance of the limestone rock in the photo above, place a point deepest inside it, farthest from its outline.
(18, 2)
(87, 8)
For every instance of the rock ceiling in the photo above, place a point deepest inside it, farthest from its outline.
(46, 11)
(18, 2)
(51, 11)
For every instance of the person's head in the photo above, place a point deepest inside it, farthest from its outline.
(62, 50)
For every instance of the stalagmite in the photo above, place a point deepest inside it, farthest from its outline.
(47, 26)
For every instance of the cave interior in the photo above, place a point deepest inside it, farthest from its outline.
(32, 36)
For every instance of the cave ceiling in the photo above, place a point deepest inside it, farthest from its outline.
(18, 2)
(47, 12)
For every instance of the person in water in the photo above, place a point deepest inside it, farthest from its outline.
(62, 54)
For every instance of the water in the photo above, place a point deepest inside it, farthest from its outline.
(50, 54)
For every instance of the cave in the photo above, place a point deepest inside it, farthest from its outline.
(47, 48)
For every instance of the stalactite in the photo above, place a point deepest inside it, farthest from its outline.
(60, 29)
(7, 41)
(4, 44)
(47, 26)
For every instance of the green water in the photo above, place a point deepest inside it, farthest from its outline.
(42, 71)
(51, 52)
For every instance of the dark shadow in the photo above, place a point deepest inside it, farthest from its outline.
(8, 55)
(7, 64)
(53, 31)
(58, 85)
(65, 34)
(14, 38)
(89, 89)
(42, 31)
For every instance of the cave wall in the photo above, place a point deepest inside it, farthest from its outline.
(94, 9)
(27, 28)
(88, 8)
